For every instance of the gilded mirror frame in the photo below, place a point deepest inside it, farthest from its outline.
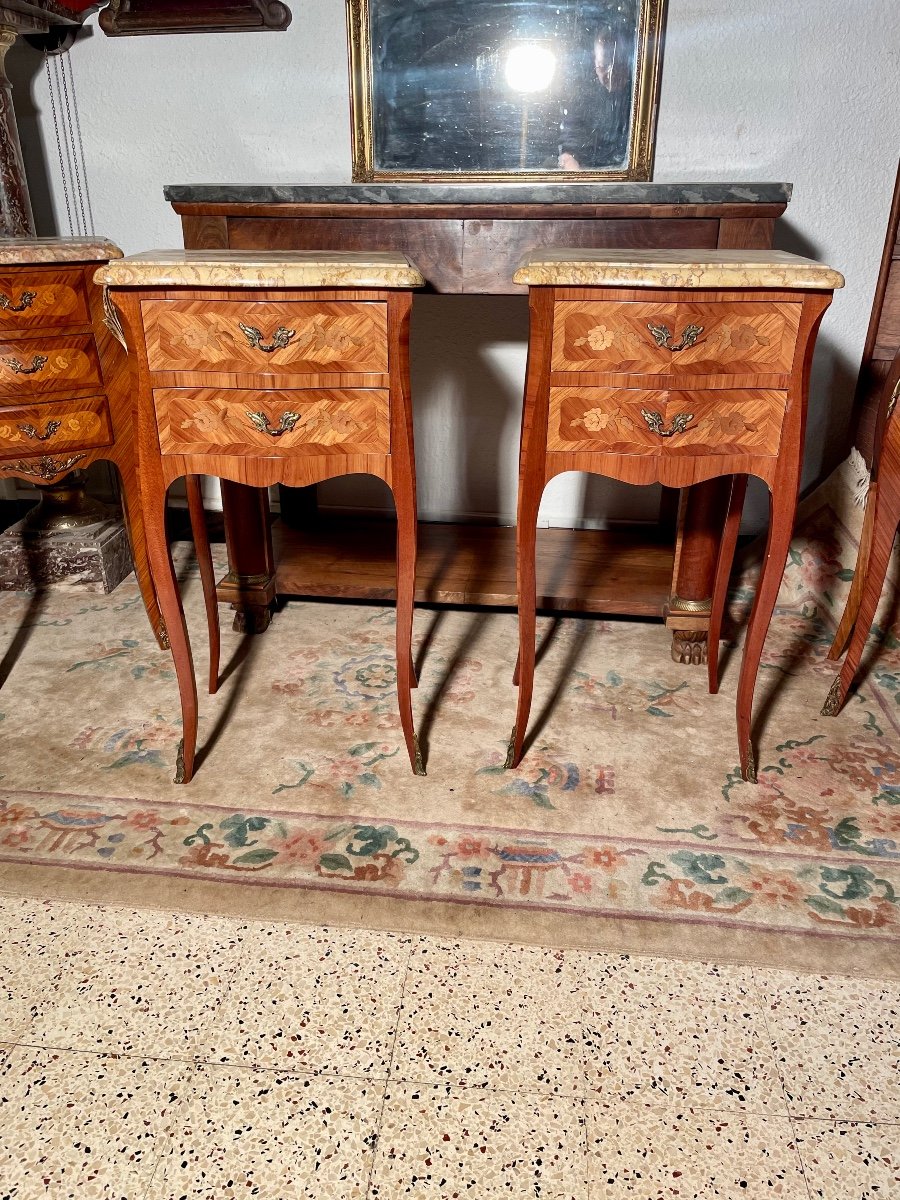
(638, 164)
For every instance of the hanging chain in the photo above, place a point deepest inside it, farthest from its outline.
(69, 144)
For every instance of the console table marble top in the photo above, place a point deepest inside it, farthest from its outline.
(22, 251)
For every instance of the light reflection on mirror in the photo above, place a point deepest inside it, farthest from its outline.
(530, 67)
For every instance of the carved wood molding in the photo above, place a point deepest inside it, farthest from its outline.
(125, 18)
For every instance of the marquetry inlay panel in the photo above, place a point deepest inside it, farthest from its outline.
(54, 426)
(30, 367)
(625, 421)
(322, 421)
(698, 339)
(277, 338)
(30, 298)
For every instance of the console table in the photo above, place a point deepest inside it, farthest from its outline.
(470, 238)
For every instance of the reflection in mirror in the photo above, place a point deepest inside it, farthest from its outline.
(500, 87)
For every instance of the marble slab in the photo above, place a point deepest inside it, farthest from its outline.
(518, 192)
(19, 251)
(572, 267)
(262, 269)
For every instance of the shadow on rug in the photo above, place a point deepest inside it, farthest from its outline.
(626, 827)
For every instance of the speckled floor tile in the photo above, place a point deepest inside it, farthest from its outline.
(682, 1154)
(480, 1014)
(659, 1031)
(81, 1126)
(312, 1000)
(139, 983)
(248, 1133)
(442, 1141)
(837, 1044)
(847, 1161)
(31, 956)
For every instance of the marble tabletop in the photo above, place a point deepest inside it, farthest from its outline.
(262, 269)
(16, 251)
(516, 192)
(572, 267)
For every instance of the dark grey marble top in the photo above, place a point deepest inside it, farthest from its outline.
(520, 192)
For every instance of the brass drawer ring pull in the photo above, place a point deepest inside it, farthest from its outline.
(655, 422)
(26, 301)
(37, 364)
(254, 336)
(31, 432)
(662, 335)
(285, 425)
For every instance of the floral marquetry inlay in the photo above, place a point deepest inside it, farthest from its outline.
(597, 419)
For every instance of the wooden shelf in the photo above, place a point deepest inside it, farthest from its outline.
(627, 572)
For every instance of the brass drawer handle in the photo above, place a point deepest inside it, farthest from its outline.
(27, 300)
(254, 336)
(285, 425)
(662, 335)
(37, 364)
(655, 422)
(30, 431)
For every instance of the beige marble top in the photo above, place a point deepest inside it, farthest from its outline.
(262, 269)
(675, 269)
(15, 251)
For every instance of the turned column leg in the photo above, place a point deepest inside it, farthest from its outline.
(166, 587)
(782, 509)
(724, 565)
(249, 586)
(193, 485)
(701, 532)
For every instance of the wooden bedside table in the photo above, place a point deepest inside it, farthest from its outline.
(267, 368)
(65, 391)
(672, 367)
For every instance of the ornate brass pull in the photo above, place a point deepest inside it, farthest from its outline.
(26, 301)
(30, 431)
(280, 338)
(37, 364)
(662, 335)
(285, 425)
(655, 422)
(892, 403)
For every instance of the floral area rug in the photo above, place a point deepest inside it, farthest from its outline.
(626, 827)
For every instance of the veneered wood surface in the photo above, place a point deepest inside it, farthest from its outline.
(195, 336)
(70, 364)
(577, 570)
(59, 298)
(211, 420)
(57, 426)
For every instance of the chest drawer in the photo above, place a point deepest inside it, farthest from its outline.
(673, 423)
(54, 426)
(38, 365)
(32, 298)
(314, 421)
(685, 339)
(267, 339)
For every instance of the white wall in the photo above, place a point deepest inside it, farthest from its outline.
(764, 90)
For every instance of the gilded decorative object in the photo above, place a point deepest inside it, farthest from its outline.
(662, 335)
(750, 774)
(497, 90)
(655, 422)
(254, 336)
(678, 605)
(31, 432)
(285, 425)
(111, 320)
(26, 300)
(38, 362)
(834, 701)
(418, 760)
(47, 468)
(892, 403)
(179, 763)
(511, 751)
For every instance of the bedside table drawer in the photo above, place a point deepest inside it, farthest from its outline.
(33, 298)
(277, 339)
(29, 368)
(724, 338)
(625, 421)
(277, 424)
(48, 428)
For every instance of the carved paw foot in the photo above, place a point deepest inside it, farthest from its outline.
(256, 618)
(689, 647)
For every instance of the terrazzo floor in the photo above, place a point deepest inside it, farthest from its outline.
(152, 1056)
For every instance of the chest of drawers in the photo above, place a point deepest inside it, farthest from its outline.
(66, 397)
